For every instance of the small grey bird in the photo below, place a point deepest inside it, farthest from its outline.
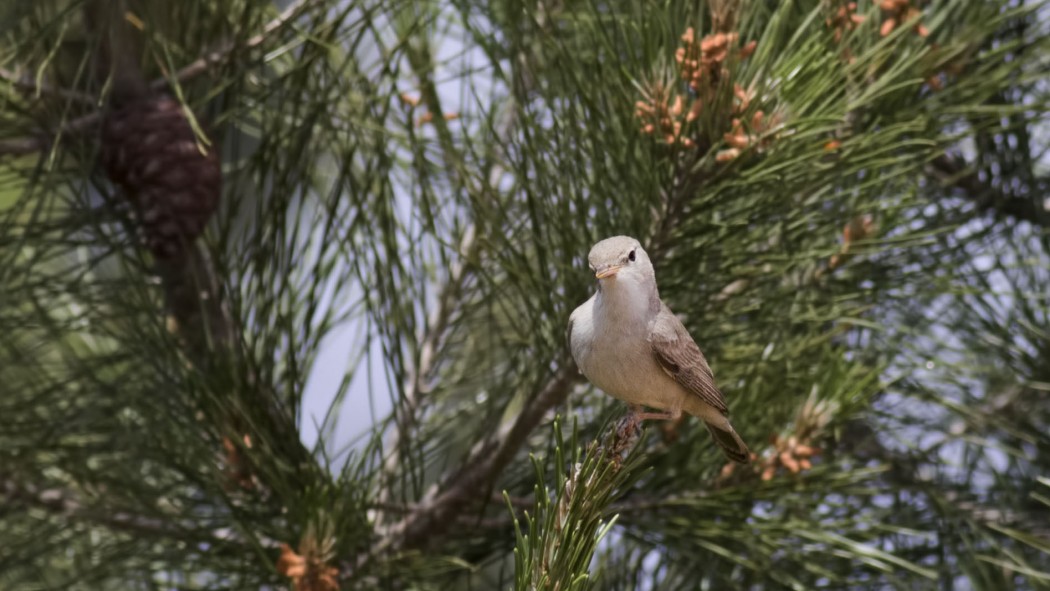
(629, 343)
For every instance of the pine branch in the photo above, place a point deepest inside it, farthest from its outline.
(580, 166)
(954, 171)
(472, 481)
(193, 290)
(43, 139)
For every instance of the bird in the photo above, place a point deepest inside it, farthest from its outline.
(629, 344)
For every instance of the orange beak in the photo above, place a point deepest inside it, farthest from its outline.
(608, 272)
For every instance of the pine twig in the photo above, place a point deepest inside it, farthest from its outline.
(571, 514)
(202, 64)
(905, 473)
(40, 140)
(25, 84)
(418, 376)
(442, 505)
(955, 172)
(62, 502)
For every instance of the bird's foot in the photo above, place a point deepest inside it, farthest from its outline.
(628, 426)
(626, 435)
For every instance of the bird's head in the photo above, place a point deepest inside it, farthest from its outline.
(621, 261)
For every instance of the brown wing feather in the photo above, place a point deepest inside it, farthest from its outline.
(682, 360)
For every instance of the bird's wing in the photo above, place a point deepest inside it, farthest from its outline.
(679, 356)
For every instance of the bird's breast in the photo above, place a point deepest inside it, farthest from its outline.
(616, 356)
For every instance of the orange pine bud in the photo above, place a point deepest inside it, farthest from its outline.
(887, 27)
(805, 450)
(727, 155)
(676, 108)
(738, 140)
(291, 564)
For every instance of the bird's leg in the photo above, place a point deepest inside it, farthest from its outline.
(629, 424)
(656, 416)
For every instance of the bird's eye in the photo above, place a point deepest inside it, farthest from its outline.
(631, 256)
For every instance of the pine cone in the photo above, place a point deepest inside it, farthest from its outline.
(150, 151)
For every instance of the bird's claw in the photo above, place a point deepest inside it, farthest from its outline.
(626, 434)
(628, 426)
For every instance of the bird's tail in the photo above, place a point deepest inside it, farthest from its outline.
(731, 443)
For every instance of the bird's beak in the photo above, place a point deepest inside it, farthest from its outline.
(608, 271)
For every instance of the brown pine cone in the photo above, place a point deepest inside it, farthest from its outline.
(150, 151)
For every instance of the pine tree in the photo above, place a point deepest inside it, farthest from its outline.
(845, 201)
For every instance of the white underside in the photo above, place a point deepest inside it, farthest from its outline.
(611, 347)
